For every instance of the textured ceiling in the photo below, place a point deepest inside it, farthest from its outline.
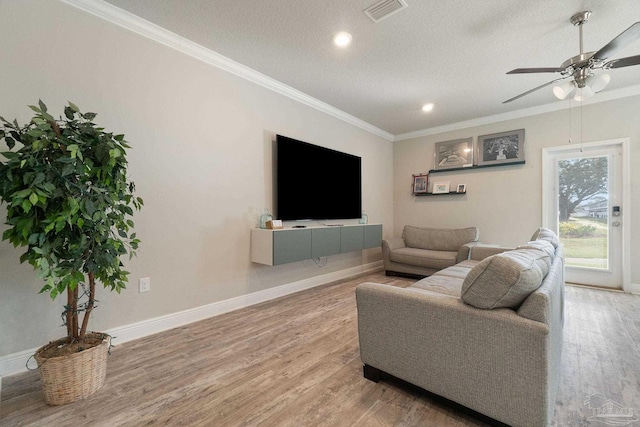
(453, 53)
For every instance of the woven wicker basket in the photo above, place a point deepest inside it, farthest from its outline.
(66, 379)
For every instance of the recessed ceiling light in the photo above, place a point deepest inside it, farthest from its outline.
(427, 107)
(342, 39)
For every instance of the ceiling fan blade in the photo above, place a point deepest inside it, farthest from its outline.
(535, 89)
(629, 35)
(536, 70)
(623, 62)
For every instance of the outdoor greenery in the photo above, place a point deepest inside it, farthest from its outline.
(585, 242)
(571, 229)
(580, 179)
(69, 203)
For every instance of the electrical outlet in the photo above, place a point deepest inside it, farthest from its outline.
(144, 284)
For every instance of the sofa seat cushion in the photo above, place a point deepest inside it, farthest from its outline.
(445, 285)
(506, 279)
(459, 270)
(424, 258)
(438, 239)
(448, 281)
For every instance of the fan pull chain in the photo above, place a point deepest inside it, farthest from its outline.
(570, 120)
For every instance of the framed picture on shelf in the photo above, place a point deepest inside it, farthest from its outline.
(501, 148)
(441, 187)
(454, 154)
(420, 183)
(462, 188)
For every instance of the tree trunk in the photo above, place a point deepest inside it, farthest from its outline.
(87, 313)
(69, 312)
(74, 313)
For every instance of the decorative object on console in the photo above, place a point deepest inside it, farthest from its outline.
(441, 187)
(420, 183)
(501, 148)
(364, 219)
(265, 217)
(274, 224)
(462, 188)
(457, 153)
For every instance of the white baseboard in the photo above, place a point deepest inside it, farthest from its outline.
(16, 363)
(633, 288)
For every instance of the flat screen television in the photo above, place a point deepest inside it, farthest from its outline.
(316, 183)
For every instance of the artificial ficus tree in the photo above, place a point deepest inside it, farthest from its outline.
(69, 203)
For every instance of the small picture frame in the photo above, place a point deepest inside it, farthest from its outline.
(462, 188)
(501, 148)
(420, 183)
(441, 187)
(275, 224)
(454, 154)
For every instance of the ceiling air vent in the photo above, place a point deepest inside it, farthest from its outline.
(384, 9)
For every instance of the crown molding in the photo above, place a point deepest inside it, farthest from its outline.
(525, 112)
(140, 26)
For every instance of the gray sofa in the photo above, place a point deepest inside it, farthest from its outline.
(485, 333)
(421, 251)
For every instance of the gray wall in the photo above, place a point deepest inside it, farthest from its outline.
(201, 159)
(505, 202)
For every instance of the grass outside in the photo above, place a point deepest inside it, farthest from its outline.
(585, 247)
(588, 251)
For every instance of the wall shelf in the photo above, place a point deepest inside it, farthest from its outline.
(438, 194)
(475, 167)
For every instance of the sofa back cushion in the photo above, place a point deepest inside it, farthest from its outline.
(506, 279)
(546, 234)
(438, 239)
(549, 297)
(543, 245)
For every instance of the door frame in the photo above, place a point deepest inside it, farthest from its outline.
(548, 182)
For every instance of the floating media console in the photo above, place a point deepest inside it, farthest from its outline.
(275, 247)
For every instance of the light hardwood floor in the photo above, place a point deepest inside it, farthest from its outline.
(294, 362)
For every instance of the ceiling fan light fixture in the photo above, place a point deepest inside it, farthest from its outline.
(563, 90)
(583, 94)
(598, 83)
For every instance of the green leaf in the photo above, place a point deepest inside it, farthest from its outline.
(73, 149)
(69, 113)
(89, 207)
(74, 107)
(33, 198)
(36, 133)
(42, 106)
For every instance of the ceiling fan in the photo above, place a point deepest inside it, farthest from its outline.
(581, 66)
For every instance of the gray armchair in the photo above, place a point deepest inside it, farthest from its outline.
(422, 251)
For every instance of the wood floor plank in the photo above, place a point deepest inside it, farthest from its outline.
(295, 361)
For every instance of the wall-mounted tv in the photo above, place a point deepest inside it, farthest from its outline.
(315, 183)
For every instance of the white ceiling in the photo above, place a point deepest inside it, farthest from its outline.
(453, 53)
